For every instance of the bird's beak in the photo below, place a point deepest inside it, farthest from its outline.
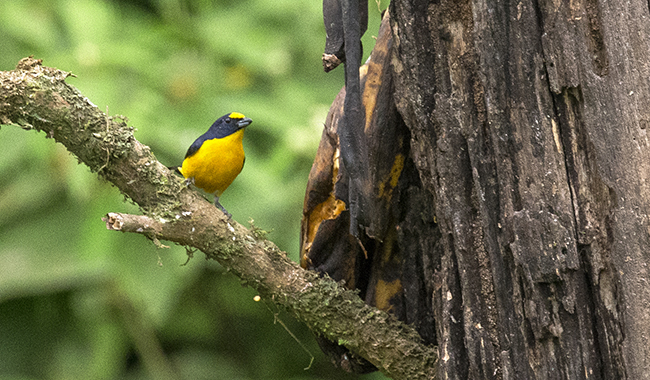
(244, 122)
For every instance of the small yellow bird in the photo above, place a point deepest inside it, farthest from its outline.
(215, 159)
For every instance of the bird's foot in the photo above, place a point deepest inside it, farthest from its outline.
(216, 203)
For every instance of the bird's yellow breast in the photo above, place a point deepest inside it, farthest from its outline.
(216, 163)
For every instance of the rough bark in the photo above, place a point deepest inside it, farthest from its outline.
(528, 125)
(389, 260)
(37, 97)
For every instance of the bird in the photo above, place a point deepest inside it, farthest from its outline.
(217, 157)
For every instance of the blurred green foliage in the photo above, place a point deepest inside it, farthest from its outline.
(80, 302)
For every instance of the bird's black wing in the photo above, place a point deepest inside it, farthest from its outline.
(197, 144)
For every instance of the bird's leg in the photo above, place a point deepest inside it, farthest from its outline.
(189, 181)
(216, 203)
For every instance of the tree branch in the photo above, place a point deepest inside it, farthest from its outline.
(37, 97)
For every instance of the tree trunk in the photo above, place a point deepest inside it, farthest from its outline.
(528, 127)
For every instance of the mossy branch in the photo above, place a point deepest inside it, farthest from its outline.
(37, 97)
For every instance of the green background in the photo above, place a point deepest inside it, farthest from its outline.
(80, 302)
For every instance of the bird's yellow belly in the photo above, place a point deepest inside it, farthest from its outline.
(216, 164)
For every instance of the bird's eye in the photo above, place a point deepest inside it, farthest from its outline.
(227, 120)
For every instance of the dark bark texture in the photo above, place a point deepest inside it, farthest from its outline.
(388, 250)
(528, 126)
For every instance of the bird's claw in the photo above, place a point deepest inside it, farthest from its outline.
(220, 207)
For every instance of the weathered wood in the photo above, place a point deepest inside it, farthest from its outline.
(333, 16)
(397, 250)
(528, 123)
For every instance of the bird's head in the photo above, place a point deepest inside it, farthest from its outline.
(229, 124)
